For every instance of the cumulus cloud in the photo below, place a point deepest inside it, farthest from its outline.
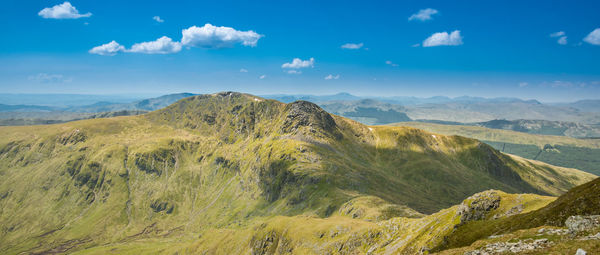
(262, 76)
(158, 19)
(243, 70)
(388, 62)
(332, 77)
(562, 38)
(444, 39)
(294, 72)
(49, 78)
(210, 36)
(352, 46)
(299, 63)
(163, 45)
(423, 15)
(593, 37)
(109, 49)
(62, 11)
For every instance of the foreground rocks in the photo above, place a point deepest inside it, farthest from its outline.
(582, 223)
(512, 247)
(577, 228)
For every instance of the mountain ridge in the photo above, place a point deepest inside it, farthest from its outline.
(231, 159)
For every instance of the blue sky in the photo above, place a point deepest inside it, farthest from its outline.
(526, 49)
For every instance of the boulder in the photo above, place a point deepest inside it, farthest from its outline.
(580, 223)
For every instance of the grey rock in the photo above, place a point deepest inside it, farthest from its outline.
(580, 252)
(478, 206)
(580, 223)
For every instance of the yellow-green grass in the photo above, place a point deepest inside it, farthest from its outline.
(499, 135)
(227, 163)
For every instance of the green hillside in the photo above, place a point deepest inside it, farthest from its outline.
(214, 170)
(555, 150)
(581, 200)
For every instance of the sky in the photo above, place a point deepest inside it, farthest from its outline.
(545, 50)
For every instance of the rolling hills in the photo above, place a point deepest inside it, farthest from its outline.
(228, 171)
(556, 150)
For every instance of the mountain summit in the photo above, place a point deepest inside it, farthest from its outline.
(235, 161)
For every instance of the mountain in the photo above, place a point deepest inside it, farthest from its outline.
(231, 172)
(38, 115)
(367, 111)
(343, 96)
(556, 150)
(24, 108)
(584, 105)
(544, 127)
(66, 100)
(149, 104)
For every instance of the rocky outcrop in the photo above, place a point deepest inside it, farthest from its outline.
(478, 206)
(306, 114)
(512, 247)
(582, 223)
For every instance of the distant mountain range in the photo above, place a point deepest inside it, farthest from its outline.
(576, 119)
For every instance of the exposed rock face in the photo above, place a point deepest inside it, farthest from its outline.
(478, 206)
(508, 247)
(306, 114)
(582, 223)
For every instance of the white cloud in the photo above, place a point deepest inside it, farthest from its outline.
(444, 39)
(388, 62)
(352, 46)
(299, 63)
(62, 11)
(423, 15)
(158, 19)
(210, 36)
(262, 76)
(163, 45)
(49, 78)
(562, 38)
(523, 84)
(243, 70)
(593, 37)
(294, 72)
(415, 45)
(332, 77)
(108, 49)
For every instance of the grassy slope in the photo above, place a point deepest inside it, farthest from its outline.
(555, 150)
(581, 200)
(220, 163)
(498, 135)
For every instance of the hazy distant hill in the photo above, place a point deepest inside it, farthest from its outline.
(25, 108)
(367, 111)
(252, 173)
(65, 100)
(584, 105)
(36, 115)
(545, 127)
(149, 104)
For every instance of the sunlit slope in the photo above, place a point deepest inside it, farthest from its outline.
(581, 200)
(226, 161)
(555, 150)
